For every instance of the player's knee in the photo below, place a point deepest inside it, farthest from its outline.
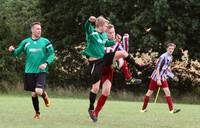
(106, 88)
(106, 92)
(123, 54)
(95, 89)
(167, 93)
(149, 93)
(39, 91)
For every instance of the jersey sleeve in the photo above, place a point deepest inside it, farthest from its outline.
(94, 37)
(51, 53)
(109, 43)
(125, 42)
(19, 49)
(89, 28)
(120, 48)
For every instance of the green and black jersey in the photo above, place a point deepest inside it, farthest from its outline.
(95, 42)
(37, 52)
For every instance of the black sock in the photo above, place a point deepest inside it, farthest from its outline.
(35, 102)
(135, 72)
(131, 60)
(92, 98)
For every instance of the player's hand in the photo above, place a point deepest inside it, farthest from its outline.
(118, 38)
(43, 66)
(176, 78)
(11, 48)
(92, 19)
(159, 82)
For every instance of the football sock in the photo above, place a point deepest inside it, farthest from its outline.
(100, 104)
(169, 102)
(146, 101)
(92, 98)
(35, 102)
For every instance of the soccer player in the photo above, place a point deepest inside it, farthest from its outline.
(159, 79)
(106, 82)
(39, 54)
(107, 75)
(121, 45)
(94, 51)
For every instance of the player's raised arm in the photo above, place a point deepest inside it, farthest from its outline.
(89, 28)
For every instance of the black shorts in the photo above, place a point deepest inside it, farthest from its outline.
(96, 67)
(34, 80)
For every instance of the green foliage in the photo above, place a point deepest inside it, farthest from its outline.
(15, 17)
(169, 20)
(62, 22)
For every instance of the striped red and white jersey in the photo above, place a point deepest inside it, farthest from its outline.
(125, 42)
(114, 48)
(123, 45)
(162, 65)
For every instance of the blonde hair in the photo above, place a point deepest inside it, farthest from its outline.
(100, 21)
(110, 26)
(34, 23)
(171, 44)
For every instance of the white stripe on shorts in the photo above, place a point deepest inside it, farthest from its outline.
(92, 68)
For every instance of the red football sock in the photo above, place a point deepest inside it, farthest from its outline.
(100, 104)
(169, 102)
(125, 71)
(146, 101)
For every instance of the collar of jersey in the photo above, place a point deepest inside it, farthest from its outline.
(35, 39)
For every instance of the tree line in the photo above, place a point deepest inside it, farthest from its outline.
(62, 22)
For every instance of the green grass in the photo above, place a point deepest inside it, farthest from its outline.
(17, 112)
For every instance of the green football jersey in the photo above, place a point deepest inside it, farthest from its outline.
(95, 42)
(37, 52)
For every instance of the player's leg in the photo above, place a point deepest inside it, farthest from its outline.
(35, 102)
(92, 98)
(152, 87)
(168, 97)
(146, 100)
(40, 88)
(102, 99)
(122, 54)
(125, 71)
(129, 58)
(93, 94)
(112, 57)
(106, 79)
(121, 62)
(128, 77)
(29, 85)
(96, 68)
(125, 55)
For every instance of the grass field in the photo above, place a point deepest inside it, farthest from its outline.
(17, 112)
